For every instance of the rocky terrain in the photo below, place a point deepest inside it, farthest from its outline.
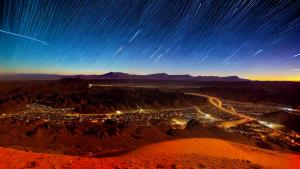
(75, 93)
(117, 143)
(185, 153)
(97, 139)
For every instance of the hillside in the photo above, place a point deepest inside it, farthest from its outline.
(185, 153)
(75, 93)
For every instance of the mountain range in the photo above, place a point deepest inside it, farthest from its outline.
(120, 75)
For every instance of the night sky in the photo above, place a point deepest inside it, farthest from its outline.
(256, 39)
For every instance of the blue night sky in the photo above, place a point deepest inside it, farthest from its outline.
(256, 39)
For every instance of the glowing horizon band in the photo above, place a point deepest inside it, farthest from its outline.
(22, 36)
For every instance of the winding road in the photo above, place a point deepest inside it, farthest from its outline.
(243, 118)
(219, 105)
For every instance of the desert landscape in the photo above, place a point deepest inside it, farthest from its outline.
(189, 153)
(121, 123)
(149, 84)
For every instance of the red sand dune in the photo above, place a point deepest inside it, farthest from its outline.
(184, 153)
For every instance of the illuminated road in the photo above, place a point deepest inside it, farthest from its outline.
(244, 118)
(208, 116)
(122, 85)
(145, 111)
(228, 124)
(213, 100)
(218, 104)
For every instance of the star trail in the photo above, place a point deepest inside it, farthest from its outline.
(22, 36)
(256, 39)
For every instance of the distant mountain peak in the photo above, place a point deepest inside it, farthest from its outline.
(121, 75)
(165, 76)
(116, 73)
(162, 74)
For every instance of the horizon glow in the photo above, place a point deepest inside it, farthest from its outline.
(258, 40)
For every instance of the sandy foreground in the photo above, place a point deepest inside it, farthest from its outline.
(183, 153)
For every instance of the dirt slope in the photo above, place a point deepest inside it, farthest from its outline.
(184, 153)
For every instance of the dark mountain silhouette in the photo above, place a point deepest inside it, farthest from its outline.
(121, 75)
(32, 76)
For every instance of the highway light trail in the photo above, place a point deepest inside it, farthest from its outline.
(244, 118)
(23, 36)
